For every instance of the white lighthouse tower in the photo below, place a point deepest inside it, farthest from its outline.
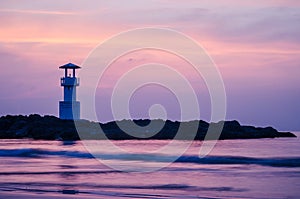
(69, 109)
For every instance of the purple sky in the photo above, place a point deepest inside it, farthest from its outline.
(255, 45)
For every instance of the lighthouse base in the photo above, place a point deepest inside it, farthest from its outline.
(69, 110)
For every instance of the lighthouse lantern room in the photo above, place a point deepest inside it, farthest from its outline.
(69, 108)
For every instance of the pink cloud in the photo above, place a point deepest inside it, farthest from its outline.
(255, 44)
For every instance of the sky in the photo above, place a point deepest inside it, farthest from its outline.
(254, 44)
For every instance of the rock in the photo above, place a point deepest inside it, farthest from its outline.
(52, 128)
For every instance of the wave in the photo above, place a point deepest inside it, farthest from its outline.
(117, 186)
(29, 152)
(111, 190)
(39, 153)
(273, 162)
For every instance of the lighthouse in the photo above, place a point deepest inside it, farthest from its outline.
(69, 108)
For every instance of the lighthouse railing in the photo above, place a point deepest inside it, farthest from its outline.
(69, 81)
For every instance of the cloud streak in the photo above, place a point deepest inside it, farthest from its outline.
(39, 12)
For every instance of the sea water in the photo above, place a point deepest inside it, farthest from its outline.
(255, 168)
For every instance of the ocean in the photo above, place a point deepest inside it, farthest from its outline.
(254, 168)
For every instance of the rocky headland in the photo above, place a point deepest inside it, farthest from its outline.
(52, 128)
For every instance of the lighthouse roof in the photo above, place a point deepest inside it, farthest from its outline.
(70, 65)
